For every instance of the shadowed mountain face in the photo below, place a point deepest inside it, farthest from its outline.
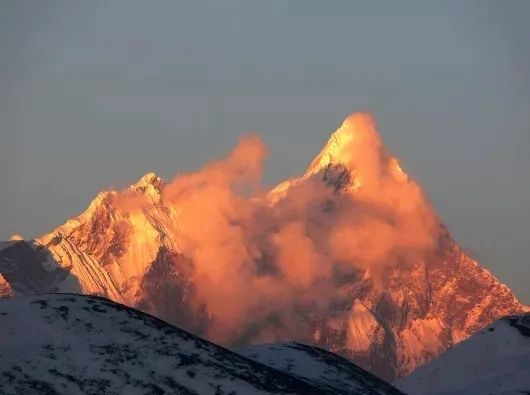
(350, 256)
(169, 279)
(70, 344)
(29, 268)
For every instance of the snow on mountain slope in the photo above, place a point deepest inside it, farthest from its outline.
(495, 360)
(325, 370)
(73, 344)
(350, 257)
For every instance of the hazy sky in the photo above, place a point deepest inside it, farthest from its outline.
(93, 94)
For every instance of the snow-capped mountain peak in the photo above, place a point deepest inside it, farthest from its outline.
(150, 183)
(338, 149)
(351, 256)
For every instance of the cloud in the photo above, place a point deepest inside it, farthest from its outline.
(260, 266)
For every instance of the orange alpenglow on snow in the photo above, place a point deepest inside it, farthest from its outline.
(351, 255)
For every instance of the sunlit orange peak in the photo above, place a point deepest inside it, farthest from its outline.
(150, 178)
(338, 149)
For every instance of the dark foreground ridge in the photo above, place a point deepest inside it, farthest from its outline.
(493, 361)
(330, 372)
(73, 344)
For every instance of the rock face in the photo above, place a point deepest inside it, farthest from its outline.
(492, 361)
(5, 288)
(350, 257)
(73, 344)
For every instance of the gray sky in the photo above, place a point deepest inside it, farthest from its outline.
(93, 94)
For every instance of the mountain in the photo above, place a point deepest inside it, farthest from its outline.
(74, 344)
(325, 370)
(350, 256)
(65, 343)
(492, 361)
